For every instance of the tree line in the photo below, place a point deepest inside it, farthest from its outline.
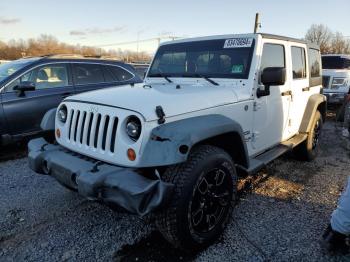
(330, 42)
(49, 45)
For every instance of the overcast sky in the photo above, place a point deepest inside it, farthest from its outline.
(110, 21)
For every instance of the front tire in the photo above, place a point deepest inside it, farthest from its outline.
(204, 195)
(308, 150)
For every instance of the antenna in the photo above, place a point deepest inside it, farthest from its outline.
(257, 24)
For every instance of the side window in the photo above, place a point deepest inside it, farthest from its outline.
(298, 62)
(272, 56)
(87, 74)
(314, 62)
(120, 74)
(26, 77)
(108, 74)
(51, 76)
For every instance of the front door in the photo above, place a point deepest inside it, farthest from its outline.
(271, 112)
(24, 113)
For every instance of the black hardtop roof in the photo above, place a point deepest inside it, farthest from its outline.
(290, 39)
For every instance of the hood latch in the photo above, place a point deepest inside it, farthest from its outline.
(161, 115)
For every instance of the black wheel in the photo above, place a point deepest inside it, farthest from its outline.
(308, 150)
(204, 195)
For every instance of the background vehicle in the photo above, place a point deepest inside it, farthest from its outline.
(336, 77)
(140, 68)
(4, 61)
(210, 109)
(30, 87)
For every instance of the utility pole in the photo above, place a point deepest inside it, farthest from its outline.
(137, 46)
(257, 23)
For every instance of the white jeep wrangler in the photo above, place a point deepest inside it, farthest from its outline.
(210, 109)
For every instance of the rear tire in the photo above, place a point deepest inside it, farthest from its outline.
(203, 199)
(308, 150)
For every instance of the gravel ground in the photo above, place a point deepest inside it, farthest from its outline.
(280, 217)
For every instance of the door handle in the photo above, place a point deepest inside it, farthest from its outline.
(287, 93)
(306, 89)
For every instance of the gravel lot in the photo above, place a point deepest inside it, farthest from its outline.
(280, 216)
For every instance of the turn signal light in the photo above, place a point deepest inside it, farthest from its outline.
(131, 154)
(58, 133)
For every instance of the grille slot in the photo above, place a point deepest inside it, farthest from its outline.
(114, 134)
(70, 123)
(93, 130)
(82, 128)
(105, 129)
(76, 125)
(97, 129)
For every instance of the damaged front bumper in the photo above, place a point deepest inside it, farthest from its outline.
(97, 180)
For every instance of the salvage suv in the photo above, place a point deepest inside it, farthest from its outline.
(210, 109)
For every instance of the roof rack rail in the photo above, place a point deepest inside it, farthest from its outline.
(64, 56)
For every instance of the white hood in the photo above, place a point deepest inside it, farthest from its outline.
(174, 101)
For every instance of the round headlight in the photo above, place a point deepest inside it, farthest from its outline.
(62, 114)
(133, 127)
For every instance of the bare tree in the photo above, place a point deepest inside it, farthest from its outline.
(47, 44)
(339, 44)
(321, 35)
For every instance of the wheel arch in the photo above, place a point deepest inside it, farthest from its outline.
(317, 102)
(163, 147)
(48, 121)
(232, 143)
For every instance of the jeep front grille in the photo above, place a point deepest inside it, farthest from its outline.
(93, 130)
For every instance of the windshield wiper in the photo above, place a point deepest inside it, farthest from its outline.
(166, 77)
(208, 79)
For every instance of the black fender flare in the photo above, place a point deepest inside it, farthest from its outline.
(48, 121)
(171, 143)
(316, 102)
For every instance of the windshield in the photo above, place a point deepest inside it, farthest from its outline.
(10, 68)
(226, 58)
(335, 62)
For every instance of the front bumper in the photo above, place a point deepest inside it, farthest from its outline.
(98, 180)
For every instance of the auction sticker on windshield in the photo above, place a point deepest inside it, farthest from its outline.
(238, 42)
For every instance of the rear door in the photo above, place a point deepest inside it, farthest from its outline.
(24, 113)
(88, 77)
(298, 73)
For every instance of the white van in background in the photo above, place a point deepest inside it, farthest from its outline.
(336, 77)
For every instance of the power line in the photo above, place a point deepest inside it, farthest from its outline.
(138, 41)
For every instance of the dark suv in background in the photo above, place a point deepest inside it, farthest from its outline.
(29, 87)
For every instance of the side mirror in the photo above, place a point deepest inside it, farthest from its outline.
(24, 87)
(271, 76)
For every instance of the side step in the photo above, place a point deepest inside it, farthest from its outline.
(295, 140)
(263, 159)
